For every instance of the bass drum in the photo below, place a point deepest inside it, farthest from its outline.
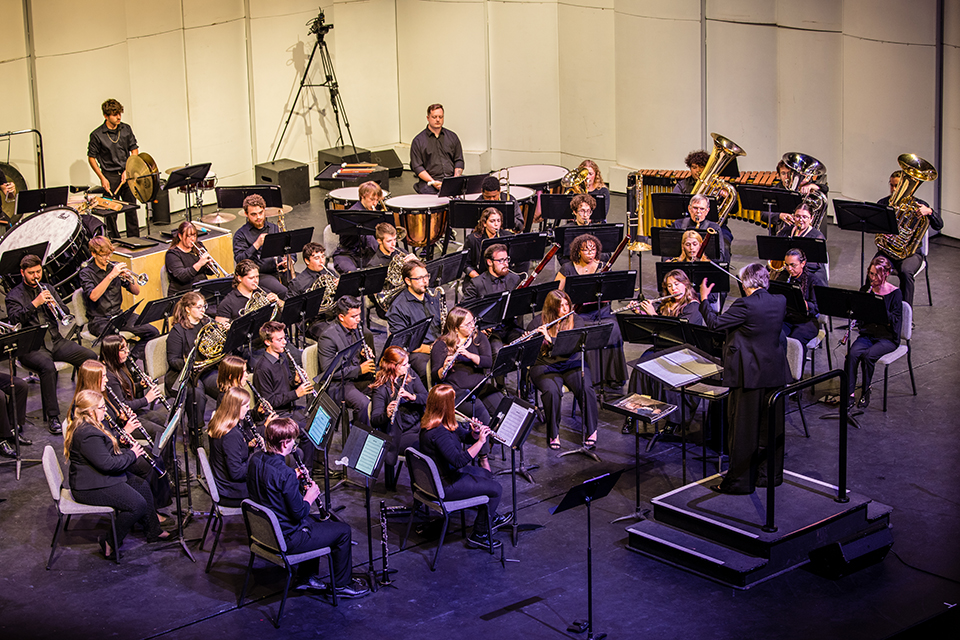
(525, 197)
(67, 248)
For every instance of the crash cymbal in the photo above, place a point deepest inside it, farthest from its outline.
(143, 177)
(218, 217)
(172, 169)
(273, 212)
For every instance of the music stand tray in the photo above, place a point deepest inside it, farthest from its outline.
(113, 324)
(556, 206)
(659, 331)
(188, 176)
(215, 288)
(36, 199)
(366, 282)
(776, 247)
(755, 197)
(10, 259)
(160, 309)
(12, 346)
(488, 311)
(673, 206)
(792, 293)
(285, 242)
(344, 355)
(243, 329)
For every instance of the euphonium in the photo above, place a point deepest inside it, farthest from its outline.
(912, 226)
(711, 184)
(803, 167)
(575, 181)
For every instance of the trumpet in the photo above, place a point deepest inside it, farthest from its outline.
(636, 303)
(147, 382)
(300, 371)
(125, 438)
(129, 276)
(200, 251)
(62, 315)
(473, 422)
(6, 327)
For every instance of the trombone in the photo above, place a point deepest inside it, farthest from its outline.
(218, 271)
(6, 327)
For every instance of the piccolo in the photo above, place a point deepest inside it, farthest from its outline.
(636, 303)
(526, 336)
(474, 422)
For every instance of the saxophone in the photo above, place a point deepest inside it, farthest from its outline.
(912, 226)
(441, 295)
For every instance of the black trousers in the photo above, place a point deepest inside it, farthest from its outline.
(133, 501)
(20, 401)
(312, 535)
(122, 192)
(352, 393)
(906, 272)
(144, 332)
(747, 440)
(550, 383)
(476, 481)
(865, 351)
(42, 361)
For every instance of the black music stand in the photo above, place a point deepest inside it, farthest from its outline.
(673, 206)
(296, 310)
(488, 311)
(10, 261)
(529, 299)
(245, 328)
(512, 423)
(347, 354)
(37, 199)
(609, 236)
(769, 200)
(601, 286)
(582, 339)
(521, 247)
(169, 436)
(583, 494)
(187, 177)
(667, 242)
(411, 336)
(697, 272)
(793, 294)
(361, 283)
(356, 223)
(865, 217)
(115, 323)
(776, 247)
(456, 186)
(215, 288)
(284, 243)
(864, 307)
(465, 214)
(161, 308)
(446, 268)
(12, 346)
(233, 197)
(323, 415)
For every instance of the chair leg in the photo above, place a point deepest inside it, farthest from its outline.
(56, 537)
(926, 274)
(206, 529)
(333, 591)
(803, 419)
(463, 524)
(490, 530)
(217, 529)
(66, 523)
(246, 580)
(443, 534)
(116, 545)
(886, 370)
(913, 382)
(413, 512)
(283, 598)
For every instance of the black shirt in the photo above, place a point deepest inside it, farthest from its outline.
(111, 302)
(20, 309)
(360, 247)
(243, 249)
(333, 339)
(406, 310)
(546, 356)
(439, 154)
(378, 259)
(181, 274)
(474, 246)
(409, 412)
(229, 458)
(231, 305)
(302, 283)
(445, 447)
(487, 284)
(112, 148)
(180, 341)
(275, 382)
(271, 483)
(464, 374)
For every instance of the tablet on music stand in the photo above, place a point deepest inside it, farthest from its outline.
(609, 236)
(456, 186)
(776, 247)
(410, 336)
(465, 214)
(37, 199)
(10, 259)
(322, 418)
(446, 268)
(673, 206)
(521, 247)
(356, 223)
(697, 271)
(284, 243)
(668, 242)
(233, 197)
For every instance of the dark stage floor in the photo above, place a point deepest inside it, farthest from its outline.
(904, 458)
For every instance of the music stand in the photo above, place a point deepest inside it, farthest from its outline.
(12, 346)
(512, 423)
(215, 288)
(776, 247)
(769, 200)
(161, 308)
(465, 214)
(411, 336)
(36, 199)
(347, 354)
(864, 307)
(667, 242)
(362, 283)
(298, 308)
(233, 197)
(284, 243)
(609, 236)
(114, 323)
(697, 272)
(446, 268)
(793, 294)
(582, 339)
(529, 299)
(187, 177)
(600, 287)
(556, 207)
(521, 247)
(673, 206)
(356, 223)
(488, 311)
(323, 415)
(169, 436)
(865, 217)
(10, 260)
(244, 328)
(583, 494)
(456, 186)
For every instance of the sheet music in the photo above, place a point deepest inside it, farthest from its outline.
(668, 372)
(369, 456)
(512, 423)
(693, 362)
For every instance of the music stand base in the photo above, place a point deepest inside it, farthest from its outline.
(851, 417)
(581, 450)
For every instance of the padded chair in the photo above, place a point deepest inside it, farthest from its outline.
(903, 349)
(311, 362)
(795, 361)
(266, 541)
(155, 358)
(925, 250)
(819, 342)
(428, 491)
(79, 309)
(67, 506)
(217, 513)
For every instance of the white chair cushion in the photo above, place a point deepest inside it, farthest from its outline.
(893, 356)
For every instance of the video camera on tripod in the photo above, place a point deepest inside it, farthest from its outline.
(318, 27)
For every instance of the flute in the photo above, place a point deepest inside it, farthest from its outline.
(445, 369)
(526, 336)
(473, 422)
(636, 303)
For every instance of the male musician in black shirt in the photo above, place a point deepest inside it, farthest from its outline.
(490, 191)
(695, 161)
(101, 282)
(315, 257)
(412, 305)
(435, 153)
(110, 145)
(28, 303)
(248, 240)
(356, 374)
(354, 250)
(496, 279)
(698, 208)
(386, 237)
(273, 484)
(908, 266)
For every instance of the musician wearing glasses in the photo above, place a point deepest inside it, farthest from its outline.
(582, 206)
(350, 381)
(110, 146)
(103, 283)
(497, 278)
(183, 261)
(698, 208)
(189, 316)
(129, 388)
(98, 472)
(248, 240)
(413, 304)
(31, 304)
(399, 399)
(801, 325)
(230, 446)
(490, 192)
(487, 227)
(435, 153)
(246, 280)
(908, 267)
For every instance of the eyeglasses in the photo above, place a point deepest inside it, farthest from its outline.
(501, 260)
(425, 276)
(200, 305)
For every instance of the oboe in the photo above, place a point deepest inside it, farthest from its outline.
(125, 409)
(529, 334)
(300, 371)
(147, 382)
(125, 438)
(396, 399)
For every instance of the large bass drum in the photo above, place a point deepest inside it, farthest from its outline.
(423, 216)
(67, 247)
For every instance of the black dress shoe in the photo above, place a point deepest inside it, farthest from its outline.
(720, 488)
(54, 427)
(356, 588)
(864, 401)
(502, 520)
(482, 541)
(7, 450)
(24, 441)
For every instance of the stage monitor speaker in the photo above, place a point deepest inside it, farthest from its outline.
(292, 176)
(339, 155)
(842, 558)
(161, 207)
(388, 158)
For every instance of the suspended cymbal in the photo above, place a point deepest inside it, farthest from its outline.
(9, 202)
(218, 217)
(143, 177)
(273, 212)
(172, 169)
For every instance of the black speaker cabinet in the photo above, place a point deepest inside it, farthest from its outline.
(161, 207)
(388, 158)
(339, 155)
(842, 558)
(292, 176)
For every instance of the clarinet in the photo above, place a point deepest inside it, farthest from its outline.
(396, 399)
(147, 382)
(249, 430)
(125, 438)
(305, 481)
(127, 411)
(265, 407)
(385, 578)
(300, 371)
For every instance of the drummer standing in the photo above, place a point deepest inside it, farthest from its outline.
(435, 153)
(107, 151)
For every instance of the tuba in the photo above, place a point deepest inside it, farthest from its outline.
(803, 167)
(912, 226)
(710, 183)
(575, 181)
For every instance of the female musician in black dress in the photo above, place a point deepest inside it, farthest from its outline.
(184, 262)
(230, 446)
(189, 316)
(551, 372)
(466, 353)
(399, 399)
(489, 226)
(609, 365)
(443, 440)
(115, 355)
(596, 186)
(875, 340)
(801, 325)
(98, 471)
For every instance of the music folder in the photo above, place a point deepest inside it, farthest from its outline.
(512, 421)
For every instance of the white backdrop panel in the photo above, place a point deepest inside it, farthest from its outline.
(660, 9)
(15, 115)
(65, 26)
(910, 21)
(13, 43)
(210, 12)
(810, 14)
(154, 17)
(745, 11)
